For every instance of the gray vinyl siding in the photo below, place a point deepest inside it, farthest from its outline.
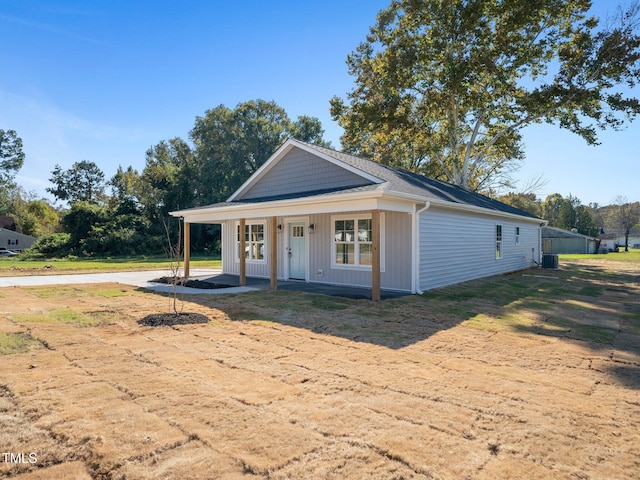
(457, 247)
(397, 251)
(300, 171)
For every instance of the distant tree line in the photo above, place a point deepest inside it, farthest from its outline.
(126, 214)
(570, 214)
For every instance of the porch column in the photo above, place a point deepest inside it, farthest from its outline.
(273, 252)
(187, 248)
(242, 253)
(375, 253)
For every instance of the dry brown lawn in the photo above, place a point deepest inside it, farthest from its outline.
(515, 377)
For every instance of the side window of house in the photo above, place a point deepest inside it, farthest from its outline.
(254, 241)
(498, 241)
(517, 235)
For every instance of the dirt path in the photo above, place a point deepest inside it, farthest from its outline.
(261, 392)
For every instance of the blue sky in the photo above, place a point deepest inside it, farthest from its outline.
(105, 80)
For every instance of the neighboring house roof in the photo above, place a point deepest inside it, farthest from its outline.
(607, 236)
(8, 223)
(377, 178)
(554, 232)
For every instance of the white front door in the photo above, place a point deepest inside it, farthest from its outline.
(297, 251)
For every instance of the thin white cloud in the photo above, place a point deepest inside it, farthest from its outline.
(23, 22)
(52, 135)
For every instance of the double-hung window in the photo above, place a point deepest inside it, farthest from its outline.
(254, 242)
(517, 235)
(498, 241)
(353, 242)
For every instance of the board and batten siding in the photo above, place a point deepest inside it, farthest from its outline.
(457, 247)
(299, 171)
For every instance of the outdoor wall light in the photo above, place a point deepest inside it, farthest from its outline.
(312, 228)
(279, 228)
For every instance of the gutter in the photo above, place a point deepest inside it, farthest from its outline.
(415, 250)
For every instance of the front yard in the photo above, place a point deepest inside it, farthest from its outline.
(529, 375)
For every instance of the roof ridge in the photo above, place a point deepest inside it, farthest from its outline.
(399, 179)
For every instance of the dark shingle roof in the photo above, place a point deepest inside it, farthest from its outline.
(392, 180)
(8, 223)
(398, 180)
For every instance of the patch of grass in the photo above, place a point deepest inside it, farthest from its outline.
(111, 292)
(66, 316)
(13, 343)
(329, 303)
(590, 291)
(56, 291)
(632, 256)
(556, 326)
(595, 333)
(631, 322)
(73, 317)
(246, 314)
(535, 303)
(482, 322)
(13, 266)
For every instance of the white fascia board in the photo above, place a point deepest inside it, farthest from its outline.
(336, 203)
(484, 211)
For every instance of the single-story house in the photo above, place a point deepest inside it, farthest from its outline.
(634, 238)
(558, 240)
(314, 214)
(608, 242)
(13, 240)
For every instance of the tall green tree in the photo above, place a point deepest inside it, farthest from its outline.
(11, 161)
(167, 181)
(83, 182)
(569, 213)
(124, 185)
(11, 156)
(445, 87)
(527, 202)
(231, 144)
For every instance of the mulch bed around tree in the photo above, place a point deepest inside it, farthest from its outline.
(185, 318)
(191, 283)
(169, 319)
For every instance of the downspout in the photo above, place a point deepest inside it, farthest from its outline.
(539, 261)
(415, 247)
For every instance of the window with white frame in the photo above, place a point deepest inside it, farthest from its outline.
(254, 242)
(353, 241)
(517, 235)
(498, 241)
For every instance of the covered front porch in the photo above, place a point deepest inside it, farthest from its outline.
(341, 291)
(338, 240)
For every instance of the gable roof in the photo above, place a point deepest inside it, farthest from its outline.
(402, 181)
(380, 180)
